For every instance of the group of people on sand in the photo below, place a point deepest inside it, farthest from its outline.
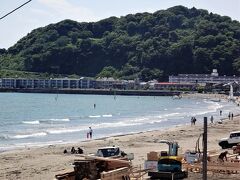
(74, 151)
(230, 116)
(79, 150)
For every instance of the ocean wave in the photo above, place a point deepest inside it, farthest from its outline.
(117, 124)
(46, 121)
(77, 117)
(171, 114)
(57, 120)
(156, 121)
(94, 116)
(107, 115)
(22, 136)
(54, 120)
(30, 122)
(97, 126)
(145, 119)
(64, 130)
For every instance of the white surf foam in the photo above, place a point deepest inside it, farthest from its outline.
(94, 116)
(64, 130)
(107, 115)
(64, 120)
(171, 114)
(54, 120)
(22, 136)
(30, 122)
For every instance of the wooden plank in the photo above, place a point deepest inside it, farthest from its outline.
(105, 159)
(70, 175)
(115, 174)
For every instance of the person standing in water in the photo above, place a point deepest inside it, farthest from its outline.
(94, 105)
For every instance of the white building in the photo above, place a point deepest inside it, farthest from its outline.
(203, 78)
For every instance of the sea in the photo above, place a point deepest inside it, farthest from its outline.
(31, 119)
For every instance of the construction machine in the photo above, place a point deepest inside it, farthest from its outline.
(169, 164)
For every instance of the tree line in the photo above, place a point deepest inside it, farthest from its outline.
(143, 45)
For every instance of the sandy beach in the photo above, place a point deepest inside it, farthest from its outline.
(45, 162)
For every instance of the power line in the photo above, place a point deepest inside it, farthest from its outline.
(15, 9)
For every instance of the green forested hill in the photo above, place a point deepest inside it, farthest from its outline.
(144, 45)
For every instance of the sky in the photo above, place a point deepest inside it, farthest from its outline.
(39, 13)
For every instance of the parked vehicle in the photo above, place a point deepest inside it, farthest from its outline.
(113, 151)
(232, 140)
(167, 165)
(108, 151)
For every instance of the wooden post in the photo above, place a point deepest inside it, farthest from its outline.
(204, 164)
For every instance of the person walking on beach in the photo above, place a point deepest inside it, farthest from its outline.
(232, 116)
(229, 115)
(211, 119)
(90, 133)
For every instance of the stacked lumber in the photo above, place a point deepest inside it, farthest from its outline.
(120, 173)
(70, 175)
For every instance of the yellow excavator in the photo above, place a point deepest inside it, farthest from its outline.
(169, 164)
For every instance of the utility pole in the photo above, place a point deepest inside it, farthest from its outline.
(204, 163)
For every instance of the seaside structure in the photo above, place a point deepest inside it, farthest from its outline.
(66, 83)
(111, 83)
(174, 86)
(181, 82)
(58, 83)
(212, 78)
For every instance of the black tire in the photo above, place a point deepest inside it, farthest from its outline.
(224, 144)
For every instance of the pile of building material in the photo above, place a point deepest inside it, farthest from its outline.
(152, 161)
(232, 166)
(236, 149)
(93, 167)
(224, 168)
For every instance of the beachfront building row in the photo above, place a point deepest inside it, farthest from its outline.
(175, 86)
(212, 78)
(66, 83)
(180, 82)
(90, 83)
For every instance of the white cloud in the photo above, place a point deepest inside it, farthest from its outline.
(62, 9)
